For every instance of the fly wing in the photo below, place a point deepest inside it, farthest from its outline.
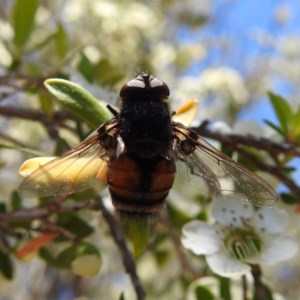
(216, 168)
(74, 171)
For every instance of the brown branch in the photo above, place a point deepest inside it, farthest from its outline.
(127, 258)
(260, 143)
(10, 139)
(49, 121)
(22, 82)
(237, 142)
(34, 115)
(50, 227)
(274, 170)
(44, 212)
(35, 213)
(245, 287)
(260, 290)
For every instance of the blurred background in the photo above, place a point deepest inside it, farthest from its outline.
(226, 53)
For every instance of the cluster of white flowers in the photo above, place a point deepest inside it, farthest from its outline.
(225, 81)
(239, 236)
(221, 85)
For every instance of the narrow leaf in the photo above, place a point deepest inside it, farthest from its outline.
(61, 41)
(288, 198)
(16, 201)
(35, 244)
(75, 225)
(296, 124)
(6, 266)
(86, 68)
(282, 110)
(137, 230)
(122, 297)
(273, 126)
(22, 149)
(225, 288)
(23, 20)
(79, 101)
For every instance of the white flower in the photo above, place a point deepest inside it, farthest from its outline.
(240, 235)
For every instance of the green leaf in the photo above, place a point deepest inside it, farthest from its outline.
(16, 201)
(225, 288)
(61, 41)
(288, 198)
(283, 111)
(44, 42)
(61, 147)
(6, 266)
(79, 101)
(137, 230)
(106, 73)
(176, 217)
(162, 257)
(275, 127)
(122, 297)
(46, 102)
(74, 224)
(65, 258)
(23, 20)
(23, 149)
(202, 292)
(46, 255)
(86, 68)
(3, 207)
(296, 124)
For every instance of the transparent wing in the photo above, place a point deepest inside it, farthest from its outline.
(74, 171)
(222, 174)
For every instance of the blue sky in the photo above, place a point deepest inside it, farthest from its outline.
(238, 20)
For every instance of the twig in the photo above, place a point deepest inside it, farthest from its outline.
(259, 287)
(34, 115)
(274, 170)
(178, 248)
(245, 287)
(127, 258)
(48, 226)
(49, 121)
(260, 143)
(35, 213)
(236, 142)
(21, 82)
(44, 212)
(5, 136)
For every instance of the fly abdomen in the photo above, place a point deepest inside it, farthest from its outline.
(140, 186)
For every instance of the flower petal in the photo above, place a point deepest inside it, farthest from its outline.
(32, 164)
(230, 210)
(271, 220)
(200, 238)
(187, 112)
(279, 249)
(226, 266)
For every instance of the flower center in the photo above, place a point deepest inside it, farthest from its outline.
(243, 243)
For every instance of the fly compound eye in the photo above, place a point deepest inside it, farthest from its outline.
(155, 82)
(137, 82)
(145, 85)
